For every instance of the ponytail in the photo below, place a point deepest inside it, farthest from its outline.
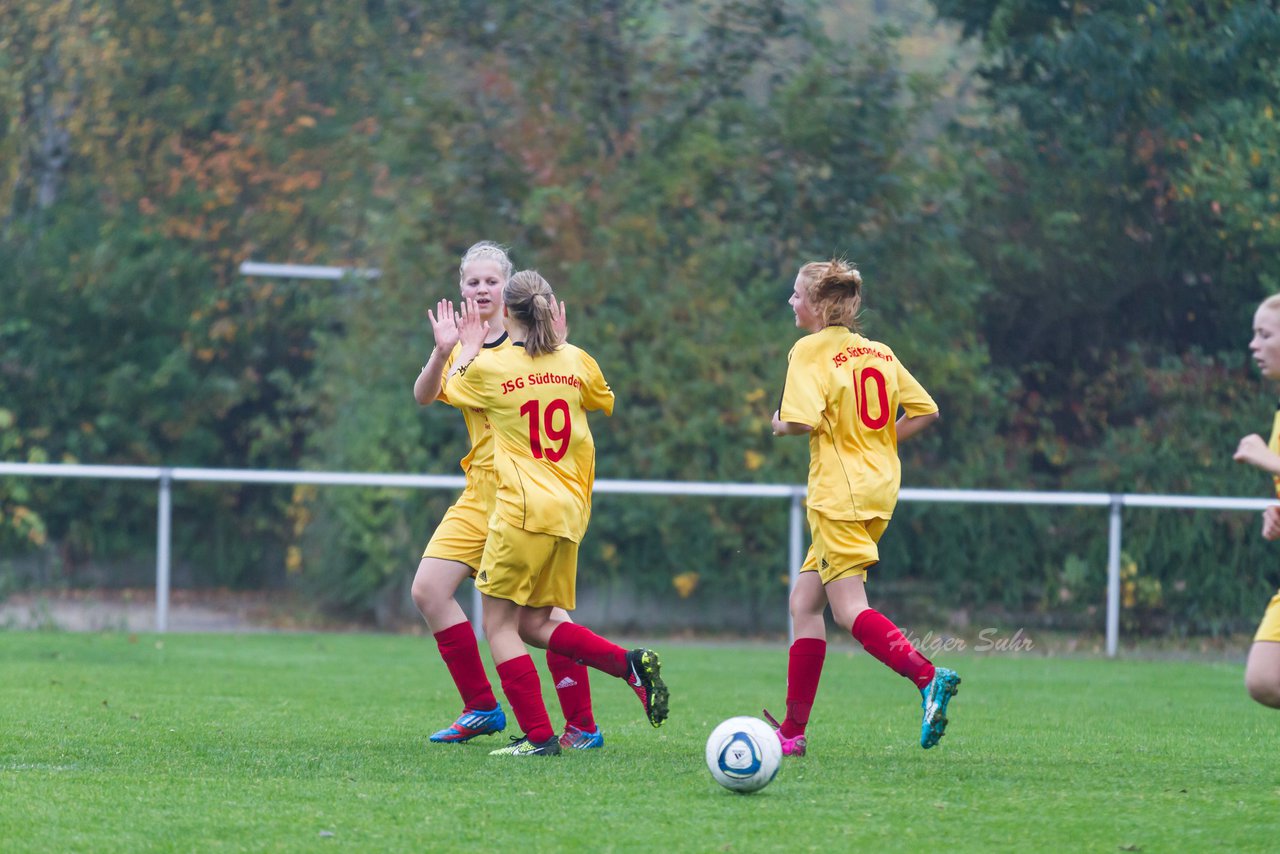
(529, 300)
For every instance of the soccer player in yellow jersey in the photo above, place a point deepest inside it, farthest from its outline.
(457, 545)
(1262, 670)
(536, 395)
(844, 391)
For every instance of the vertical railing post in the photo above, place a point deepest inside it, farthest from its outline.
(795, 553)
(164, 515)
(1113, 578)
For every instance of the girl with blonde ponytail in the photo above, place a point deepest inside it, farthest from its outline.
(458, 543)
(531, 304)
(536, 396)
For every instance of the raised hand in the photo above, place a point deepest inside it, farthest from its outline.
(472, 330)
(444, 326)
(559, 322)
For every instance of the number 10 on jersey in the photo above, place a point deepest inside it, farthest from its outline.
(870, 376)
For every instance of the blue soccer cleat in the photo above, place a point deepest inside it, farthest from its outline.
(934, 699)
(471, 724)
(579, 739)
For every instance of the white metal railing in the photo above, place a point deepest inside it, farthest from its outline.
(304, 271)
(165, 477)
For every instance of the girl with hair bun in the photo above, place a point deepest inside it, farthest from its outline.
(844, 391)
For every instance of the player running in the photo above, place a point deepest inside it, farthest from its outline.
(458, 543)
(844, 392)
(536, 395)
(1262, 670)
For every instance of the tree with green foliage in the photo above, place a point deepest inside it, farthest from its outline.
(1126, 216)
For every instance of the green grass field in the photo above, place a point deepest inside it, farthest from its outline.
(318, 742)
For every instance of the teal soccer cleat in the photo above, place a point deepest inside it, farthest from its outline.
(934, 699)
(579, 739)
(471, 724)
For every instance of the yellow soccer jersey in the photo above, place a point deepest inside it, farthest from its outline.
(537, 409)
(848, 389)
(1274, 445)
(481, 453)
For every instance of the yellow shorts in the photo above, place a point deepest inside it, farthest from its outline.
(461, 534)
(1269, 628)
(842, 547)
(531, 569)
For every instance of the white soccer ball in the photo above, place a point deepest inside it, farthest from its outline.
(743, 754)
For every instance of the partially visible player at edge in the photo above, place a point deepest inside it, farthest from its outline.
(458, 543)
(1262, 670)
(844, 391)
(536, 395)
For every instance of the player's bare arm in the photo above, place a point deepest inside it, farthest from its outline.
(444, 328)
(788, 428)
(909, 425)
(472, 331)
(1254, 451)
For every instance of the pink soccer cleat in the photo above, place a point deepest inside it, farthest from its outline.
(794, 746)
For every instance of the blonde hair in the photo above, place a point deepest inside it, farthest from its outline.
(1271, 303)
(486, 250)
(529, 300)
(834, 289)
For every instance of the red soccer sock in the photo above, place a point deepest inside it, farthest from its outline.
(524, 693)
(573, 690)
(581, 644)
(804, 669)
(880, 637)
(461, 655)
